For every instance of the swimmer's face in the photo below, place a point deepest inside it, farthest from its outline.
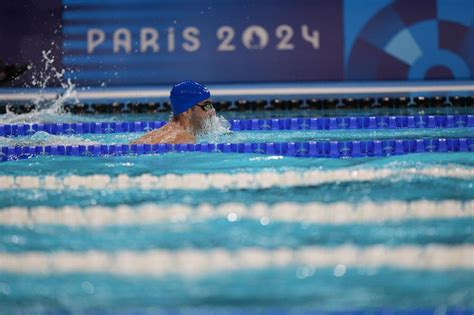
(203, 110)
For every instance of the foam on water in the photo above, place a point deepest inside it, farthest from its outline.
(42, 138)
(213, 128)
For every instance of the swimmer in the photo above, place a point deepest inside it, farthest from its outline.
(191, 108)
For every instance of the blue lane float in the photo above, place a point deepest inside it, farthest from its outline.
(320, 123)
(314, 149)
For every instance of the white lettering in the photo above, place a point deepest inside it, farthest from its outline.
(312, 38)
(95, 37)
(171, 39)
(225, 34)
(148, 38)
(122, 38)
(285, 33)
(190, 34)
(255, 37)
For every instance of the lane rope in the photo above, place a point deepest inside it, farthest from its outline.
(325, 149)
(320, 123)
(193, 262)
(288, 212)
(241, 180)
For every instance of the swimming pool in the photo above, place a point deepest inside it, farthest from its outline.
(85, 227)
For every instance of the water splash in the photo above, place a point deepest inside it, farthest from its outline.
(43, 138)
(46, 110)
(213, 129)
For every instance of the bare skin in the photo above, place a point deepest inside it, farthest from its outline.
(180, 129)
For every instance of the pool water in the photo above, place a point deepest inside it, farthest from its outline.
(211, 232)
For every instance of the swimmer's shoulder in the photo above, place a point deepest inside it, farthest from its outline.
(152, 137)
(184, 137)
(166, 134)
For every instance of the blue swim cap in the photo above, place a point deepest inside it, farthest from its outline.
(186, 94)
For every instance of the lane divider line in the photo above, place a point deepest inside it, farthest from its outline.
(243, 180)
(319, 123)
(289, 212)
(313, 149)
(192, 262)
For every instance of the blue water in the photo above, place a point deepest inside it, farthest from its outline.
(402, 187)
(234, 235)
(258, 289)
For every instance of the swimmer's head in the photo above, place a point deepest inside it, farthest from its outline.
(187, 94)
(202, 111)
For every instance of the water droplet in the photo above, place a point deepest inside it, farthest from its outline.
(339, 270)
(15, 239)
(232, 217)
(88, 287)
(440, 310)
(264, 221)
(5, 288)
(304, 272)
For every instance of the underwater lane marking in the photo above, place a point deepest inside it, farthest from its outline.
(199, 181)
(290, 212)
(192, 262)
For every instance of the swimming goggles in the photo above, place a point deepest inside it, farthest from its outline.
(206, 106)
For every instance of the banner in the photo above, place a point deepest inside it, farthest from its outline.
(149, 42)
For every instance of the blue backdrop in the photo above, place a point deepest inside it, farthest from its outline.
(137, 42)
